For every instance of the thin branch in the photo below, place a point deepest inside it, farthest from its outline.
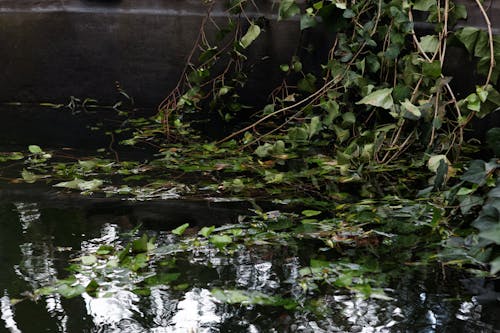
(490, 38)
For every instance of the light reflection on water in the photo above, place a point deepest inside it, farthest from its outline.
(38, 262)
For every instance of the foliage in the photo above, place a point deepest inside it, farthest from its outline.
(347, 253)
(376, 119)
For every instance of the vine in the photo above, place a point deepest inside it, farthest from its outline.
(382, 90)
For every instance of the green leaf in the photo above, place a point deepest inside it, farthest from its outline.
(105, 250)
(307, 21)
(206, 231)
(307, 83)
(80, 184)
(34, 149)
(220, 241)
(470, 201)
(245, 297)
(432, 69)
(298, 134)
(314, 126)
(287, 9)
(92, 288)
(252, 33)
(380, 98)
(89, 260)
(264, 150)
(429, 43)
(68, 291)
(495, 266)
(491, 234)
(424, 5)
(13, 156)
(310, 213)
(29, 177)
(180, 229)
(473, 102)
(141, 244)
(478, 171)
(468, 36)
(411, 111)
(435, 160)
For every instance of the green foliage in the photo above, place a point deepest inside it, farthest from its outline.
(375, 119)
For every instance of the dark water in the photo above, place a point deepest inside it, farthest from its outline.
(38, 239)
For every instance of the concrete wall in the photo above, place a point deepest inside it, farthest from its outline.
(53, 49)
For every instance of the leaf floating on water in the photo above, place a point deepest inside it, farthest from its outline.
(220, 241)
(34, 149)
(82, 185)
(180, 230)
(243, 297)
(89, 260)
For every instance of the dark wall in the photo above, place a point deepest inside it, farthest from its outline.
(51, 50)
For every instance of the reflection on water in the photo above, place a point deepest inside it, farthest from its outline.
(37, 243)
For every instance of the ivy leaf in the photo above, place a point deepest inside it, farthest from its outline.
(478, 171)
(307, 21)
(310, 213)
(82, 185)
(34, 149)
(380, 98)
(468, 36)
(412, 111)
(251, 35)
(473, 102)
(495, 266)
(470, 201)
(244, 297)
(288, 8)
(206, 231)
(435, 160)
(493, 140)
(68, 291)
(314, 126)
(89, 260)
(307, 83)
(29, 177)
(220, 241)
(141, 244)
(424, 5)
(431, 69)
(491, 234)
(429, 43)
(180, 230)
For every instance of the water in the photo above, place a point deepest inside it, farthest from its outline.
(39, 238)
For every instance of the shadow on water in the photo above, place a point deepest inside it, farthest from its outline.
(39, 239)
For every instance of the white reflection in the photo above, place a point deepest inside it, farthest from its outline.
(195, 313)
(55, 309)
(28, 213)
(8, 314)
(109, 234)
(469, 311)
(365, 314)
(109, 311)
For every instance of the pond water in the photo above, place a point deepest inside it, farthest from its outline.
(41, 237)
(51, 246)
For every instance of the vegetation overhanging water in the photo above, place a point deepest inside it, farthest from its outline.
(358, 174)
